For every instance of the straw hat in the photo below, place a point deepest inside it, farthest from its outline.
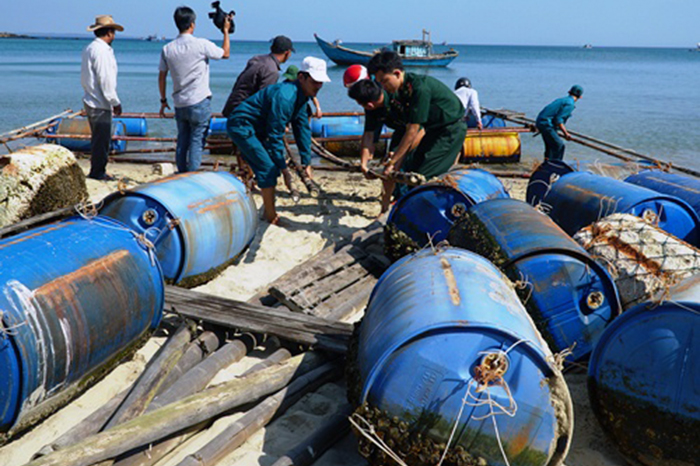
(104, 21)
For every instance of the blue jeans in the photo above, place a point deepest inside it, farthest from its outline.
(192, 127)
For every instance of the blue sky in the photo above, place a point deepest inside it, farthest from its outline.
(637, 23)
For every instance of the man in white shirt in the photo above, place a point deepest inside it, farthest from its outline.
(98, 75)
(187, 58)
(470, 100)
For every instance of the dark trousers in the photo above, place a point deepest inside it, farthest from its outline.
(553, 145)
(101, 128)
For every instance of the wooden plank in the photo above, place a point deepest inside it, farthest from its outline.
(36, 221)
(330, 285)
(345, 303)
(297, 327)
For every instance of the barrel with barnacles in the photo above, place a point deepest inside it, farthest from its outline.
(77, 297)
(549, 171)
(644, 379)
(681, 186)
(199, 222)
(449, 362)
(568, 294)
(426, 213)
(579, 199)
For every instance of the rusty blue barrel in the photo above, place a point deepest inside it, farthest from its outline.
(681, 186)
(549, 171)
(430, 210)
(217, 127)
(644, 379)
(199, 222)
(580, 199)
(443, 326)
(76, 296)
(569, 295)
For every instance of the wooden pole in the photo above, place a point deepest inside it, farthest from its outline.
(253, 420)
(152, 377)
(310, 185)
(34, 125)
(191, 383)
(196, 351)
(36, 221)
(324, 437)
(176, 417)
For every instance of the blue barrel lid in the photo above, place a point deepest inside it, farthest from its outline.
(432, 209)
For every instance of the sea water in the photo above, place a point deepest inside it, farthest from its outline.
(646, 99)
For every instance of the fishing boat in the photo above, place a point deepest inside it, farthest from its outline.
(412, 52)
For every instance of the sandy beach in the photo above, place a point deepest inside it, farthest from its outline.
(349, 204)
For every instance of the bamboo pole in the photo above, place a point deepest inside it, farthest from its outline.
(314, 446)
(34, 125)
(253, 420)
(153, 376)
(175, 417)
(597, 144)
(36, 221)
(411, 179)
(191, 383)
(196, 351)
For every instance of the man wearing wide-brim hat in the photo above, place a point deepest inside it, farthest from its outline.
(98, 75)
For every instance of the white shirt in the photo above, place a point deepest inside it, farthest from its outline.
(470, 100)
(187, 58)
(98, 75)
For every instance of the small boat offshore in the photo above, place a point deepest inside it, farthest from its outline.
(412, 52)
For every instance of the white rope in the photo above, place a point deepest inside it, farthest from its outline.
(371, 434)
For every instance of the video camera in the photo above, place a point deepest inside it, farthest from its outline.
(219, 16)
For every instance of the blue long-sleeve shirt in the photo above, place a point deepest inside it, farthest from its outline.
(269, 111)
(557, 112)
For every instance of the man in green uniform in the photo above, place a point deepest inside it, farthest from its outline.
(257, 127)
(425, 102)
(379, 112)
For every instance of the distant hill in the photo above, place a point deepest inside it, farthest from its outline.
(9, 35)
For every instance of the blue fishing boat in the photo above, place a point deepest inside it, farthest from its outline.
(412, 52)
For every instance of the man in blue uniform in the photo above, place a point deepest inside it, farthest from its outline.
(257, 127)
(552, 118)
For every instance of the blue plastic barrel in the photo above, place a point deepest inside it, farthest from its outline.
(569, 295)
(680, 186)
(491, 121)
(75, 296)
(430, 210)
(549, 171)
(198, 221)
(432, 318)
(217, 127)
(580, 199)
(133, 126)
(337, 126)
(81, 127)
(644, 379)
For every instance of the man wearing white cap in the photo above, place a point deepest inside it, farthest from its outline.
(98, 75)
(258, 124)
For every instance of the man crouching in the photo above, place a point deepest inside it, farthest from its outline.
(257, 127)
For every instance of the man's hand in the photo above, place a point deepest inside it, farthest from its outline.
(227, 23)
(480, 125)
(389, 168)
(163, 106)
(117, 110)
(318, 113)
(365, 171)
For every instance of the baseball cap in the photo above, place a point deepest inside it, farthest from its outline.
(281, 44)
(316, 69)
(353, 74)
(576, 90)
